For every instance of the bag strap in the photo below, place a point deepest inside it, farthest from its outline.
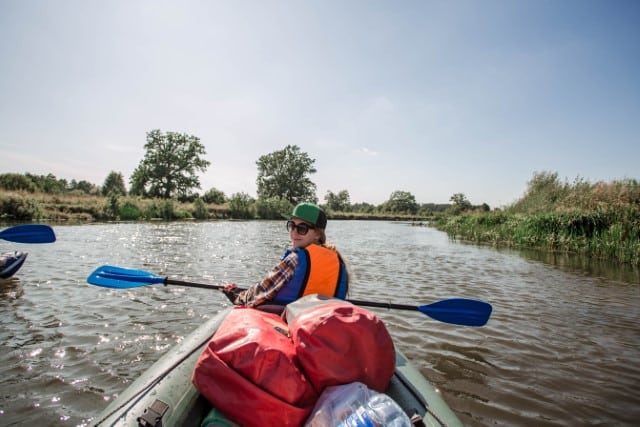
(152, 416)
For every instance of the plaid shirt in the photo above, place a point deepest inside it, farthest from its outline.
(266, 290)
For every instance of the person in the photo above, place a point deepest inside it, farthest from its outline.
(310, 266)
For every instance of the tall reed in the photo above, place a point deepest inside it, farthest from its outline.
(595, 220)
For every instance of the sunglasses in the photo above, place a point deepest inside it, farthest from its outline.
(301, 228)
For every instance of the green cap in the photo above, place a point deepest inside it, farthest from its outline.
(310, 213)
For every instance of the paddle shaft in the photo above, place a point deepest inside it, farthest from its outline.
(387, 305)
(168, 281)
(384, 305)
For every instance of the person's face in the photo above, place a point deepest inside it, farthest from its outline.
(301, 233)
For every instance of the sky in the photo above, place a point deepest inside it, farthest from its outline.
(429, 97)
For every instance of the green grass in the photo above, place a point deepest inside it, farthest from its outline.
(598, 221)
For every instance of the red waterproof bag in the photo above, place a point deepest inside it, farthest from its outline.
(338, 343)
(249, 371)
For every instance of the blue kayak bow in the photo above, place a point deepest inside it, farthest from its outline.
(29, 233)
(457, 311)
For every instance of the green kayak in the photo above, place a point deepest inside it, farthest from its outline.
(166, 390)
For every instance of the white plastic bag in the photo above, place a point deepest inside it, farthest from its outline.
(355, 405)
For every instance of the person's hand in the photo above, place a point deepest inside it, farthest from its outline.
(231, 291)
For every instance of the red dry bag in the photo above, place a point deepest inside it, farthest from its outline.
(249, 371)
(338, 343)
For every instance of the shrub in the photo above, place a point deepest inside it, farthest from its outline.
(17, 182)
(20, 208)
(200, 209)
(272, 208)
(129, 212)
(241, 206)
(214, 196)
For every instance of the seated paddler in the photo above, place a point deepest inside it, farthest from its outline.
(309, 266)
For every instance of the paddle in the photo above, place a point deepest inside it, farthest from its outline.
(29, 233)
(457, 311)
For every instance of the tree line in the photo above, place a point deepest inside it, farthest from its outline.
(597, 220)
(172, 162)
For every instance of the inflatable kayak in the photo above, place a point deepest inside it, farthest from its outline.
(164, 395)
(10, 263)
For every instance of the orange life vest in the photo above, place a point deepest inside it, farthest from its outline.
(320, 271)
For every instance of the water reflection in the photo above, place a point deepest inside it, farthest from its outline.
(575, 264)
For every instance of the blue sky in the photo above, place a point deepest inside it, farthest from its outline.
(430, 97)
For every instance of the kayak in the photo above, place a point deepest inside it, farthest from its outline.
(10, 263)
(165, 391)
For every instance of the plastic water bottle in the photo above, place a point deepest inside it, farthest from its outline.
(379, 411)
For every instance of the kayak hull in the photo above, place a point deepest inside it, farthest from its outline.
(169, 380)
(10, 263)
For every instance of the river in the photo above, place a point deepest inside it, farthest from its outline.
(561, 348)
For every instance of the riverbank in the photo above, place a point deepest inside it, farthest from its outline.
(607, 233)
(599, 221)
(79, 208)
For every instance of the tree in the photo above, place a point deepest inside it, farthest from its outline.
(240, 206)
(114, 184)
(48, 184)
(213, 195)
(544, 193)
(460, 202)
(17, 182)
(284, 174)
(200, 209)
(170, 165)
(84, 186)
(363, 207)
(401, 202)
(338, 202)
(272, 208)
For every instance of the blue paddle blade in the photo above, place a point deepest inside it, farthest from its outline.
(29, 233)
(459, 311)
(109, 276)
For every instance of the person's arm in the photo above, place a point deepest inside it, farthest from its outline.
(267, 289)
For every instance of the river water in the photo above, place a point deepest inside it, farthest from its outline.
(561, 348)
